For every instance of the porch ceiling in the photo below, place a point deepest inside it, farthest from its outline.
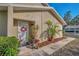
(3, 8)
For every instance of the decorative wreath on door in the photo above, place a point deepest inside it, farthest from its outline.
(23, 29)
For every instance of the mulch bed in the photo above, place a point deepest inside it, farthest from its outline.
(48, 42)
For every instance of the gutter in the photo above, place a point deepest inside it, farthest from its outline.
(59, 18)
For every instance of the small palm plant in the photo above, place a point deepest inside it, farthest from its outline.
(52, 30)
(49, 23)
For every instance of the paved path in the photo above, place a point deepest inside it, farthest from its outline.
(71, 49)
(46, 50)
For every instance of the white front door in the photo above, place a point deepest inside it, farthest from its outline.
(23, 31)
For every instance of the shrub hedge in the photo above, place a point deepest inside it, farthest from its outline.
(9, 46)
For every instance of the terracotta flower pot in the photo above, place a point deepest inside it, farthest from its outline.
(50, 39)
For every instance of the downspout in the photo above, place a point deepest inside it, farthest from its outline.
(41, 23)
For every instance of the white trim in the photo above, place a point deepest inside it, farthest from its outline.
(24, 37)
(57, 14)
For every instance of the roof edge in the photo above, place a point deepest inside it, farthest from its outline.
(59, 18)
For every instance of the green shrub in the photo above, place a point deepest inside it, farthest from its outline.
(8, 46)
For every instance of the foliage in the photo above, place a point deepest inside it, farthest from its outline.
(8, 46)
(67, 17)
(51, 30)
(34, 31)
(75, 20)
(32, 37)
(69, 20)
(49, 22)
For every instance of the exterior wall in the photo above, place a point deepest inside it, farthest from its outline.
(15, 29)
(40, 18)
(47, 15)
(60, 31)
(3, 23)
(30, 16)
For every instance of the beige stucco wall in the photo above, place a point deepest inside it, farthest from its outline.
(47, 15)
(40, 18)
(30, 16)
(3, 23)
(7, 26)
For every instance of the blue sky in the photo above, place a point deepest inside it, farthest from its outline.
(62, 8)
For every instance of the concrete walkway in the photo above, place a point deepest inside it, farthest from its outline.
(46, 50)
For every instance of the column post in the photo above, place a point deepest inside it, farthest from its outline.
(10, 21)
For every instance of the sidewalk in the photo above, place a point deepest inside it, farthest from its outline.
(46, 50)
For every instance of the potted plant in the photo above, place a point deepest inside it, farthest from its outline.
(34, 29)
